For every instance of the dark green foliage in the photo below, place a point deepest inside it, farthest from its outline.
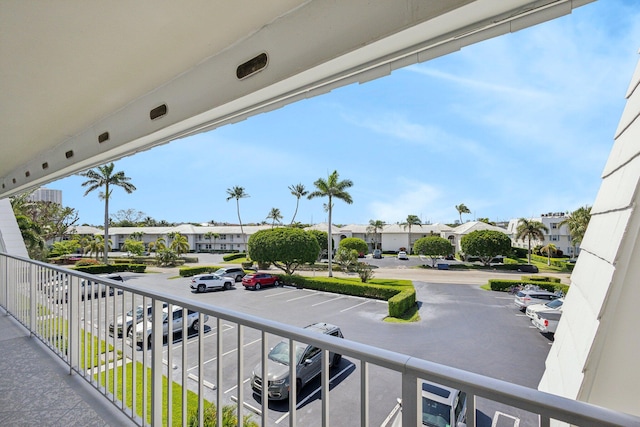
(111, 268)
(400, 294)
(201, 269)
(322, 238)
(504, 285)
(354, 243)
(234, 256)
(433, 246)
(486, 244)
(284, 247)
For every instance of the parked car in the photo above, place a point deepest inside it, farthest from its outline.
(527, 297)
(259, 280)
(441, 406)
(236, 272)
(204, 282)
(528, 268)
(547, 320)
(91, 289)
(403, 255)
(555, 304)
(377, 253)
(308, 364)
(125, 323)
(143, 335)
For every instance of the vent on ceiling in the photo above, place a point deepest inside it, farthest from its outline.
(158, 112)
(252, 66)
(103, 137)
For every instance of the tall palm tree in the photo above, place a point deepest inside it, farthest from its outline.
(577, 224)
(462, 208)
(238, 193)
(274, 216)
(549, 248)
(530, 229)
(297, 190)
(137, 235)
(375, 227)
(211, 235)
(332, 188)
(103, 176)
(408, 223)
(180, 244)
(97, 245)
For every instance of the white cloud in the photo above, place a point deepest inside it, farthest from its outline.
(412, 198)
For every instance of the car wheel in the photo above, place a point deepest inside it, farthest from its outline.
(195, 326)
(298, 387)
(257, 287)
(238, 278)
(336, 360)
(129, 329)
(202, 288)
(149, 342)
(227, 286)
(276, 283)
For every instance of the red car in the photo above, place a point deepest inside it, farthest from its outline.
(259, 280)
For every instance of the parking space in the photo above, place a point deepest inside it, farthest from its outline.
(461, 326)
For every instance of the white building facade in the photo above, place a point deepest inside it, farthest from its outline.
(558, 233)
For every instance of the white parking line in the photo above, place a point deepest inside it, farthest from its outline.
(304, 296)
(329, 300)
(354, 306)
(236, 386)
(226, 354)
(310, 395)
(274, 294)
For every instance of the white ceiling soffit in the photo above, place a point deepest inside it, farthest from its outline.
(80, 81)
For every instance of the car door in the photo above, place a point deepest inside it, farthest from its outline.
(310, 365)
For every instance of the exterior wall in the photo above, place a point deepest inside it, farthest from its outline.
(46, 195)
(558, 235)
(594, 357)
(10, 237)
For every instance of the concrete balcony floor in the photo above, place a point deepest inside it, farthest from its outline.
(36, 388)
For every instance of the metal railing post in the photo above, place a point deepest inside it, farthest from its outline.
(156, 361)
(411, 411)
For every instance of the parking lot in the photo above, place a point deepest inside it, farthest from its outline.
(461, 326)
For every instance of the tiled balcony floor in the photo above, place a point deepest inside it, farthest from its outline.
(36, 388)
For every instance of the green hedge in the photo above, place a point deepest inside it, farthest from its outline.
(400, 294)
(111, 268)
(541, 279)
(231, 257)
(192, 271)
(504, 285)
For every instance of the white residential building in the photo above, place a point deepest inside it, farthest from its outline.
(558, 234)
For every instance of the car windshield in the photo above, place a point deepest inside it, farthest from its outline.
(280, 353)
(435, 414)
(220, 272)
(554, 304)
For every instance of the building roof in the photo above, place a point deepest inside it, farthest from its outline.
(472, 226)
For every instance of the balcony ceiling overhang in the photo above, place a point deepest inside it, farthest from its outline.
(80, 81)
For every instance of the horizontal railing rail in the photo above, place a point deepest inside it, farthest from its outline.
(77, 316)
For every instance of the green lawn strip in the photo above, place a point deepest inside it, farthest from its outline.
(229, 414)
(55, 331)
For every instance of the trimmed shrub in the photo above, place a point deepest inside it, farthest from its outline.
(541, 279)
(503, 285)
(401, 297)
(234, 256)
(111, 268)
(192, 271)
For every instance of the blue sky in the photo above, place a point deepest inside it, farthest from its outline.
(511, 127)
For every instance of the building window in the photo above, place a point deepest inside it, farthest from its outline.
(223, 237)
(554, 238)
(554, 225)
(223, 247)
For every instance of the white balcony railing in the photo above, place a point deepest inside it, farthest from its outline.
(71, 313)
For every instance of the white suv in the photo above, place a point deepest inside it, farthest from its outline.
(143, 331)
(204, 282)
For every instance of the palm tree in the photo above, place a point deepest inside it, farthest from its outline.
(211, 235)
(577, 224)
(274, 216)
(374, 227)
(550, 248)
(408, 223)
(180, 244)
(97, 245)
(462, 208)
(529, 229)
(103, 176)
(137, 235)
(297, 190)
(332, 188)
(238, 193)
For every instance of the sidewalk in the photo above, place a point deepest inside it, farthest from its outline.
(36, 388)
